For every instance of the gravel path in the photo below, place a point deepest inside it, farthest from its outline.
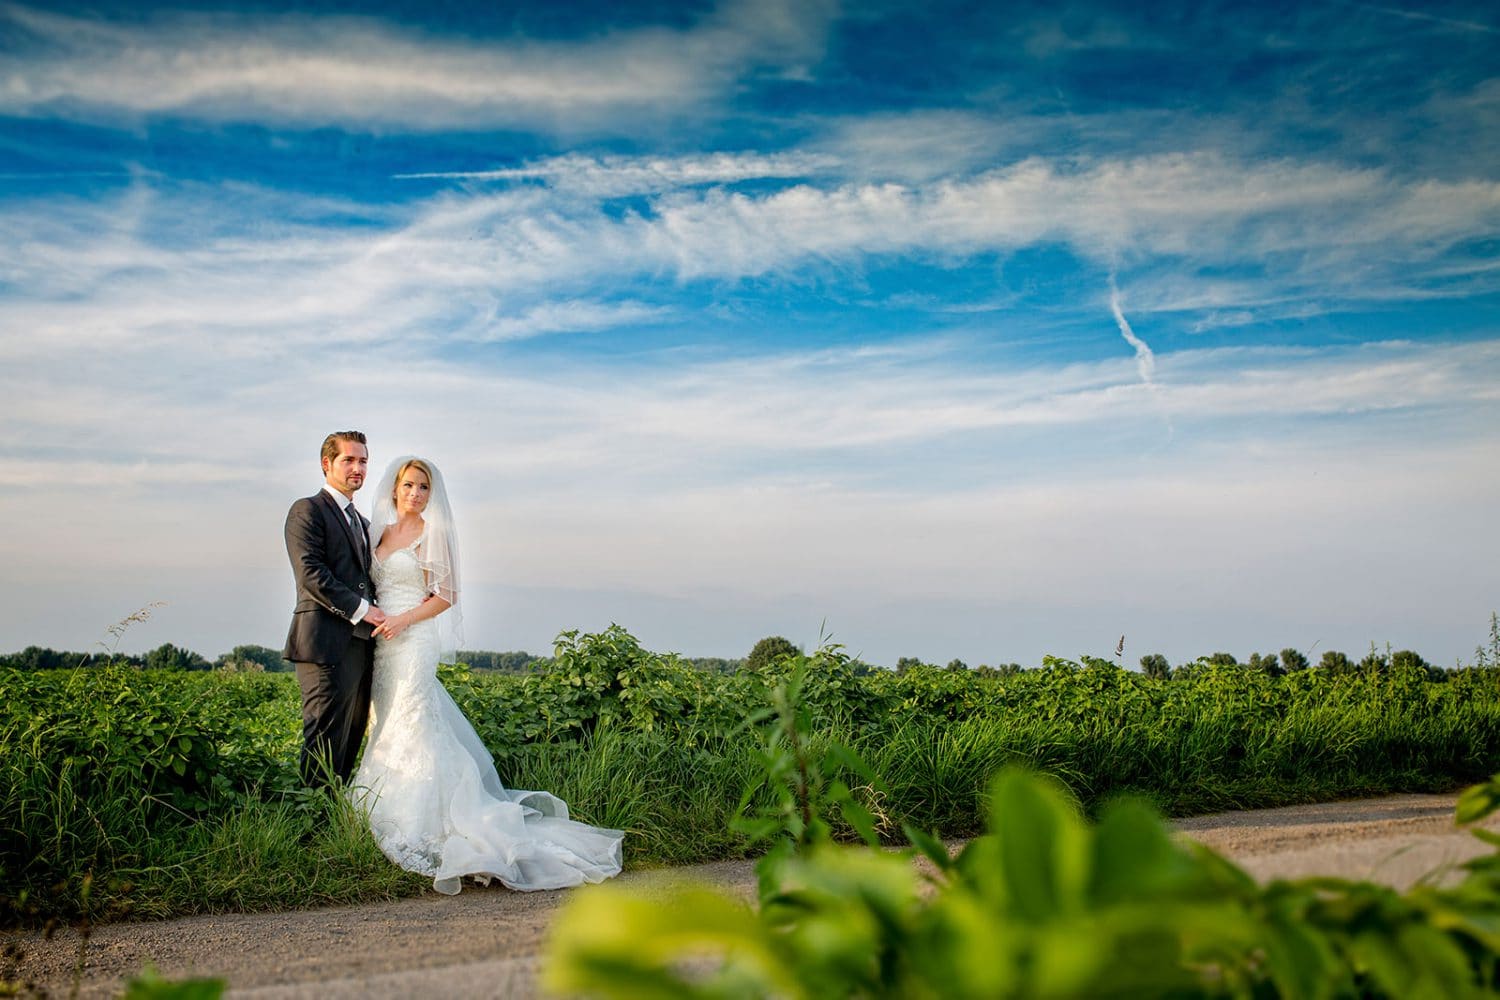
(485, 942)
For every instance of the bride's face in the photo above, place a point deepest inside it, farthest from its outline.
(412, 491)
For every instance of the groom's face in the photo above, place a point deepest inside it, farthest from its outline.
(346, 471)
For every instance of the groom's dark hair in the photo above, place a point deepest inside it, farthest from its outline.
(331, 443)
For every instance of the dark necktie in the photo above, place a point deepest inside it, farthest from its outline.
(359, 531)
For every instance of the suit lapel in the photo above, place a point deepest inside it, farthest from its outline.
(343, 519)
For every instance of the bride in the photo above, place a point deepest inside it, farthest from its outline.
(435, 803)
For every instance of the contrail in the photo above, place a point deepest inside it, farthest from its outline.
(1417, 15)
(1145, 361)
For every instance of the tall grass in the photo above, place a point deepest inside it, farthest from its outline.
(673, 801)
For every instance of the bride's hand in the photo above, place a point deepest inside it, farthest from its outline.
(393, 626)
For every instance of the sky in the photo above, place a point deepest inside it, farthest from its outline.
(944, 330)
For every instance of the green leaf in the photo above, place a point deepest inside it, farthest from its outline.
(1488, 836)
(930, 845)
(857, 816)
(1134, 855)
(848, 758)
(149, 985)
(1298, 957)
(1478, 801)
(614, 942)
(1040, 845)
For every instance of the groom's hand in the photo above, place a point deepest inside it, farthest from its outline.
(375, 617)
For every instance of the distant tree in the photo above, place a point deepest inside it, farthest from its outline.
(1222, 660)
(1408, 658)
(906, 663)
(1292, 660)
(1155, 665)
(170, 657)
(715, 664)
(1405, 659)
(957, 665)
(253, 658)
(477, 659)
(1265, 663)
(1334, 662)
(768, 651)
(512, 662)
(41, 658)
(1374, 661)
(1183, 671)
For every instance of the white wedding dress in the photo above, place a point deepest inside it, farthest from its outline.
(435, 803)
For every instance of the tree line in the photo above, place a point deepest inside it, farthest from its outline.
(764, 652)
(264, 658)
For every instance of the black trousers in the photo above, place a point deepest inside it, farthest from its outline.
(335, 708)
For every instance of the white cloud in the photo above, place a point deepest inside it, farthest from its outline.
(359, 72)
(614, 176)
(901, 479)
(927, 144)
(564, 317)
(163, 264)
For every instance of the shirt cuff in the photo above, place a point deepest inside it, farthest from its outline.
(360, 612)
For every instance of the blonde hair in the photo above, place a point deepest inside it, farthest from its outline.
(411, 463)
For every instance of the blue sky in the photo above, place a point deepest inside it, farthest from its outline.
(956, 332)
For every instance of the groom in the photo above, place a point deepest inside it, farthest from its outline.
(329, 642)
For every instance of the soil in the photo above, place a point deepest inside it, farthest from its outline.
(486, 942)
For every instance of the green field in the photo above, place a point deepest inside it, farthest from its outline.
(138, 793)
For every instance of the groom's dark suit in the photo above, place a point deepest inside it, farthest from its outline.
(333, 655)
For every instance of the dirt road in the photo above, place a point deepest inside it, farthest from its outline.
(485, 942)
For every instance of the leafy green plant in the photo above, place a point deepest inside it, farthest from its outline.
(801, 790)
(1044, 905)
(1488, 655)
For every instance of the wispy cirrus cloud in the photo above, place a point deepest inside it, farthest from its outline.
(614, 176)
(569, 316)
(1422, 15)
(168, 261)
(310, 71)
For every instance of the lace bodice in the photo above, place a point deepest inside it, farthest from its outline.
(399, 581)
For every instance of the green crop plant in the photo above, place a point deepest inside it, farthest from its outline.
(1045, 904)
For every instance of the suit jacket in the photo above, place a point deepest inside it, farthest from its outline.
(332, 579)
